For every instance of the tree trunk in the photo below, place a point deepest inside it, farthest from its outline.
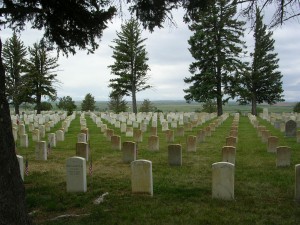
(253, 106)
(17, 108)
(38, 103)
(219, 93)
(134, 105)
(219, 106)
(12, 192)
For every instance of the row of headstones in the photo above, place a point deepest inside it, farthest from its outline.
(283, 153)
(280, 117)
(38, 134)
(127, 125)
(142, 169)
(290, 125)
(44, 117)
(129, 148)
(229, 150)
(153, 139)
(142, 179)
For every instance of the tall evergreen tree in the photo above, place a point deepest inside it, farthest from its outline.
(40, 74)
(117, 104)
(14, 59)
(88, 103)
(130, 64)
(217, 47)
(262, 83)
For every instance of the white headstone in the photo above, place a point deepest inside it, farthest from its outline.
(76, 174)
(21, 165)
(141, 177)
(41, 150)
(223, 180)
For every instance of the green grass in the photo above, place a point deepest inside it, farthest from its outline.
(182, 195)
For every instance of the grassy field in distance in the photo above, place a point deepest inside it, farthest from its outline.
(182, 106)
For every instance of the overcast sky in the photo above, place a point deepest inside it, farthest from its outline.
(169, 61)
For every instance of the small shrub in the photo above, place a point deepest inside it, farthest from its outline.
(297, 107)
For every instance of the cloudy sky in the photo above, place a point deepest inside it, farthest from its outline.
(169, 61)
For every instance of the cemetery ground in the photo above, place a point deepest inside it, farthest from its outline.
(264, 194)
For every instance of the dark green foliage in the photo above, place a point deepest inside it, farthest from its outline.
(130, 64)
(40, 78)
(14, 60)
(147, 106)
(44, 106)
(66, 103)
(217, 49)
(88, 104)
(262, 83)
(297, 107)
(68, 24)
(209, 106)
(117, 104)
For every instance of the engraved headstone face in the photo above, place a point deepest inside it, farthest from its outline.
(137, 135)
(228, 154)
(129, 151)
(272, 144)
(82, 150)
(109, 133)
(200, 136)
(191, 143)
(283, 156)
(141, 177)
(60, 135)
(24, 140)
(76, 174)
(41, 150)
(52, 139)
(290, 128)
(169, 136)
(116, 142)
(223, 180)
(164, 126)
(129, 132)
(180, 132)
(81, 137)
(265, 134)
(175, 155)
(153, 143)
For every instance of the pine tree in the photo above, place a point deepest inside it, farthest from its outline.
(117, 104)
(130, 64)
(88, 104)
(217, 48)
(262, 83)
(14, 60)
(147, 106)
(40, 77)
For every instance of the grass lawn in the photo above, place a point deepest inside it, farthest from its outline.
(182, 195)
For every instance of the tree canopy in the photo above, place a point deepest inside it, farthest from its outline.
(130, 62)
(88, 103)
(68, 25)
(14, 59)
(40, 76)
(262, 82)
(217, 48)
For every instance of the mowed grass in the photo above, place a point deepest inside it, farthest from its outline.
(264, 194)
